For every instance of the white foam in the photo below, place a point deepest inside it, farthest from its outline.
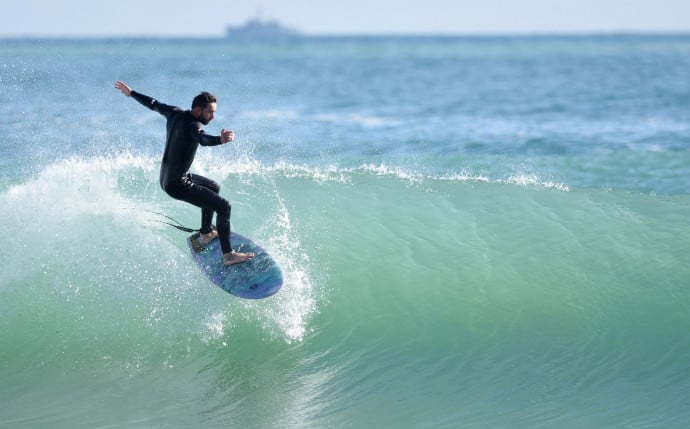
(271, 114)
(214, 327)
(532, 180)
(352, 118)
(289, 310)
(371, 121)
(244, 165)
(78, 185)
(463, 176)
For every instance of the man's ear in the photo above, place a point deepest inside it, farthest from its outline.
(196, 111)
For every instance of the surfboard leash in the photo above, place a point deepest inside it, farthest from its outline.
(176, 223)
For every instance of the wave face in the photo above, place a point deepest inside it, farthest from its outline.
(407, 300)
(474, 232)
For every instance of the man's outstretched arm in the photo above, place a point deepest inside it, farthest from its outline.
(145, 100)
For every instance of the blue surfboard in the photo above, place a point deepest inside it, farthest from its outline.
(259, 278)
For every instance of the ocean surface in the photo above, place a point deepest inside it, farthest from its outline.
(476, 232)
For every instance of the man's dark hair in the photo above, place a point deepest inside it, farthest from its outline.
(202, 100)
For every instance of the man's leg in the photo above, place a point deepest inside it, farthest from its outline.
(209, 201)
(206, 213)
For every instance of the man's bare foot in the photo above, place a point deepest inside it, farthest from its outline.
(204, 239)
(233, 258)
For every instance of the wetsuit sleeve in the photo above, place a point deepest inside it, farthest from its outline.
(200, 136)
(153, 104)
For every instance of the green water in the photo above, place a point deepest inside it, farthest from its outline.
(409, 302)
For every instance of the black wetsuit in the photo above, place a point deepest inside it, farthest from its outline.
(185, 134)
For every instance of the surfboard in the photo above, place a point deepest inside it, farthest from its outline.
(259, 278)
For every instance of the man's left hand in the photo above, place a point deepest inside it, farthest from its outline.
(226, 135)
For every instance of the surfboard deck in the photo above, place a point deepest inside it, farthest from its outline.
(255, 279)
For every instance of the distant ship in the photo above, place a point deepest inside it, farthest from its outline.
(261, 30)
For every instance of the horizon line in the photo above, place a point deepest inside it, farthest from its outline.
(300, 35)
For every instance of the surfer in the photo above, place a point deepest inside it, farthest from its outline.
(185, 134)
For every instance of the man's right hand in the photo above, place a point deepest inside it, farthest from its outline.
(124, 88)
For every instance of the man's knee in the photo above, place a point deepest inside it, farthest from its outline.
(214, 186)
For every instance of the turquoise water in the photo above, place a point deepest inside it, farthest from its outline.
(475, 232)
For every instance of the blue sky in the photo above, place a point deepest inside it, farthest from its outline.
(210, 17)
